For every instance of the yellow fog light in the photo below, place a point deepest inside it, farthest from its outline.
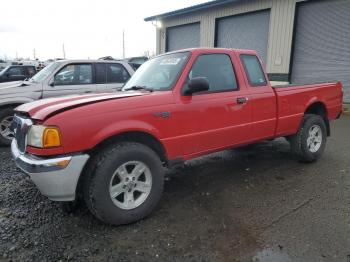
(51, 137)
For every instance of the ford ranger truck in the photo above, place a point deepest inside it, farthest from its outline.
(111, 149)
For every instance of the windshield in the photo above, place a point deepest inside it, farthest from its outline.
(45, 72)
(159, 73)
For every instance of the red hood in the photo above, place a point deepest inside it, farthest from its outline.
(41, 109)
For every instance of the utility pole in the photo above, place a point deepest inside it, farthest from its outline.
(34, 53)
(64, 52)
(123, 44)
(16, 55)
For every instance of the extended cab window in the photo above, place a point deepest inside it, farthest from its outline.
(217, 69)
(253, 70)
(74, 74)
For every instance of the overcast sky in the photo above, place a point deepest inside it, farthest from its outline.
(88, 28)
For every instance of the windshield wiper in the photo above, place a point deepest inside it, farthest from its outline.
(139, 88)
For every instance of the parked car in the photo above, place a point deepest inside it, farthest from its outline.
(16, 73)
(3, 64)
(136, 62)
(110, 149)
(63, 77)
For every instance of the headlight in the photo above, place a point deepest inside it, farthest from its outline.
(43, 137)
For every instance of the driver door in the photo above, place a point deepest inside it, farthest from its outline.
(76, 78)
(216, 118)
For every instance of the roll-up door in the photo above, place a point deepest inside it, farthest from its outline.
(322, 43)
(244, 31)
(181, 37)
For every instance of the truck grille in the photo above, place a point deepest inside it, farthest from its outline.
(20, 127)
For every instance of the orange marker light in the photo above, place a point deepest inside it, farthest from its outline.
(51, 137)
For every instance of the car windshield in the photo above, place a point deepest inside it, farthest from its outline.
(41, 75)
(159, 73)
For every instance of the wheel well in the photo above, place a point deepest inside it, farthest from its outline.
(139, 137)
(9, 106)
(319, 108)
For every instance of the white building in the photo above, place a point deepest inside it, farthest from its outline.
(300, 41)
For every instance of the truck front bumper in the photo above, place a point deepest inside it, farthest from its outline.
(56, 178)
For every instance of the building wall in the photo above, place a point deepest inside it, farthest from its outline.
(280, 28)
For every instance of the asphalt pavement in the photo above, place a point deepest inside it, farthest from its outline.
(250, 204)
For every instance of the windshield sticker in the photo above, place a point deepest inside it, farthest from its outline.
(170, 61)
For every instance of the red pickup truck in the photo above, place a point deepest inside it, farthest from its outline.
(110, 149)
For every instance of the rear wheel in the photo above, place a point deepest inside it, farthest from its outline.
(6, 118)
(125, 183)
(310, 141)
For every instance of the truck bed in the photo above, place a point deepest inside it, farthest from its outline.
(306, 85)
(293, 101)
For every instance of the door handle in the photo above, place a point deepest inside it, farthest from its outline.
(242, 100)
(87, 92)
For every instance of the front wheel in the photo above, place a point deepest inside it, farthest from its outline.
(124, 184)
(310, 141)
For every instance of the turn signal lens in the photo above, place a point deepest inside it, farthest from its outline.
(63, 163)
(51, 137)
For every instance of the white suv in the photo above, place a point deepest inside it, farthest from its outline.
(61, 78)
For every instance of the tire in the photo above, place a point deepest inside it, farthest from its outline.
(6, 116)
(105, 173)
(312, 151)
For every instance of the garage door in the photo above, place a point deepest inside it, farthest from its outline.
(322, 43)
(184, 36)
(246, 31)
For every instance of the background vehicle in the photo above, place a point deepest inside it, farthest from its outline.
(111, 148)
(16, 73)
(134, 62)
(3, 64)
(63, 77)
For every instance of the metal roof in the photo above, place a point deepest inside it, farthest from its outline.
(194, 8)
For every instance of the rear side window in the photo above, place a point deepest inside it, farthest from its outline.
(116, 73)
(217, 69)
(30, 71)
(138, 60)
(253, 70)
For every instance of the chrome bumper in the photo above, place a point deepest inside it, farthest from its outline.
(56, 178)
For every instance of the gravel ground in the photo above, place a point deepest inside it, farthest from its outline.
(253, 204)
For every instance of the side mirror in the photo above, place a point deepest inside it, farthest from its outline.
(196, 85)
